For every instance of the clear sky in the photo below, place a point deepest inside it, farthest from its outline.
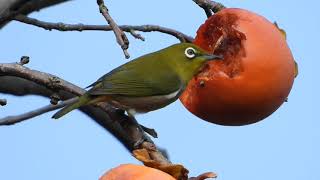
(283, 146)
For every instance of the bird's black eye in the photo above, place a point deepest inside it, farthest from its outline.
(190, 52)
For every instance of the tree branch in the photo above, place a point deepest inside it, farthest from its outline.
(11, 120)
(120, 36)
(19, 80)
(28, 81)
(136, 35)
(81, 27)
(209, 6)
(9, 9)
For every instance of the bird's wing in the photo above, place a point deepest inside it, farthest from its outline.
(150, 79)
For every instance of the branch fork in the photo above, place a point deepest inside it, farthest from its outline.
(120, 35)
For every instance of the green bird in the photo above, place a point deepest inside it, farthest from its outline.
(147, 83)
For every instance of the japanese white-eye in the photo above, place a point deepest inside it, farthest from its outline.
(147, 83)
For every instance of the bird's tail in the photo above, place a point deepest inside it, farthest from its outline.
(85, 99)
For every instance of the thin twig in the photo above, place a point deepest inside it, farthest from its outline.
(10, 120)
(3, 102)
(204, 176)
(82, 27)
(209, 6)
(16, 7)
(120, 35)
(136, 35)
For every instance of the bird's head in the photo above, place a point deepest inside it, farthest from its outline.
(187, 59)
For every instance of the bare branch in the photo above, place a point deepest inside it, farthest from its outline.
(51, 82)
(28, 81)
(9, 9)
(120, 36)
(209, 6)
(10, 120)
(81, 27)
(136, 35)
(204, 176)
(3, 102)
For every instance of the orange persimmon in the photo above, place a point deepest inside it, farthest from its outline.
(255, 76)
(135, 172)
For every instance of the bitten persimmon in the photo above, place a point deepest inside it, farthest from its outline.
(135, 172)
(255, 76)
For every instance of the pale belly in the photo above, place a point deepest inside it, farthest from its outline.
(144, 104)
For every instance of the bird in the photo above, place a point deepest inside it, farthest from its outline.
(147, 83)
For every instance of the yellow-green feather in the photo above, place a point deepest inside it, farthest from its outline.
(85, 99)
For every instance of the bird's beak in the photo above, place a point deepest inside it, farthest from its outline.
(211, 57)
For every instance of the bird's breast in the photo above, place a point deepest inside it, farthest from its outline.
(145, 104)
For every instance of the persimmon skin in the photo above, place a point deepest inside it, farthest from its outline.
(135, 172)
(255, 76)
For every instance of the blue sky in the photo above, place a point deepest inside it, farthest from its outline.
(283, 146)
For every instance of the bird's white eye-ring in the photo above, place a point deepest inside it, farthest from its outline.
(190, 52)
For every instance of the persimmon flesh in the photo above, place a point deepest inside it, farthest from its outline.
(135, 172)
(255, 76)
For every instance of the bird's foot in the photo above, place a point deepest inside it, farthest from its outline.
(150, 131)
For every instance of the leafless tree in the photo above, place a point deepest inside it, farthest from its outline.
(16, 79)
